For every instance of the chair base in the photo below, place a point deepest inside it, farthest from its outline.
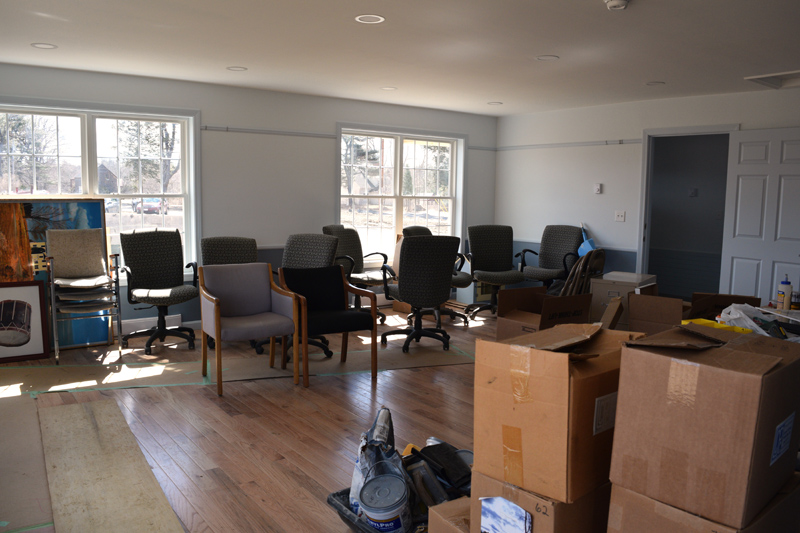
(452, 313)
(319, 341)
(417, 331)
(160, 332)
(475, 308)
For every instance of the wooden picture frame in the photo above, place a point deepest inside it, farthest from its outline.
(24, 332)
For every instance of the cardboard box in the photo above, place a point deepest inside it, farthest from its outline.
(616, 285)
(530, 309)
(631, 512)
(588, 514)
(654, 314)
(449, 517)
(706, 420)
(544, 419)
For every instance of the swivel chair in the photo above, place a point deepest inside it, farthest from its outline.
(491, 248)
(154, 269)
(557, 253)
(226, 250)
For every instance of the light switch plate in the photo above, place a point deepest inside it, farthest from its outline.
(619, 216)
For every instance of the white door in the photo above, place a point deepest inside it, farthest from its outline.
(762, 213)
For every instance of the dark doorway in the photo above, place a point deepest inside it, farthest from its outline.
(687, 212)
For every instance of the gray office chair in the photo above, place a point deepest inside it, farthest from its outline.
(83, 284)
(491, 248)
(557, 253)
(351, 256)
(423, 282)
(461, 279)
(226, 250)
(154, 269)
(241, 302)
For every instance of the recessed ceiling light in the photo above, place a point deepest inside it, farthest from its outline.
(654, 83)
(44, 46)
(237, 69)
(547, 58)
(388, 88)
(494, 103)
(370, 19)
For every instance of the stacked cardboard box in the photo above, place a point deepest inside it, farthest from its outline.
(705, 428)
(531, 309)
(544, 419)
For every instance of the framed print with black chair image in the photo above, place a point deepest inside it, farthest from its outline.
(23, 330)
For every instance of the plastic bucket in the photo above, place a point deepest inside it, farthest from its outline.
(384, 500)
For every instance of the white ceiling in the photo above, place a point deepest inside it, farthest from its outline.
(447, 54)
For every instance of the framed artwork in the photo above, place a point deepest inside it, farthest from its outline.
(23, 321)
(23, 227)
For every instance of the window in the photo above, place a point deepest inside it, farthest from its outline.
(137, 163)
(389, 182)
(40, 154)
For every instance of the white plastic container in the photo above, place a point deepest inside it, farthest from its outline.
(785, 294)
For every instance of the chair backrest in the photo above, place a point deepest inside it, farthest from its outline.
(77, 253)
(228, 250)
(243, 289)
(154, 257)
(491, 247)
(557, 242)
(309, 250)
(426, 269)
(322, 287)
(416, 231)
(349, 245)
(580, 277)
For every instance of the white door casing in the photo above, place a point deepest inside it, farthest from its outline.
(761, 242)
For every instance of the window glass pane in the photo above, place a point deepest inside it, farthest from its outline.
(129, 174)
(46, 172)
(346, 150)
(21, 174)
(69, 136)
(45, 134)
(170, 140)
(151, 176)
(345, 179)
(108, 177)
(359, 150)
(150, 139)
(388, 153)
(3, 134)
(387, 181)
(346, 211)
(70, 172)
(4, 177)
(106, 134)
(374, 151)
(128, 138)
(359, 212)
(373, 180)
(20, 134)
(359, 180)
(171, 178)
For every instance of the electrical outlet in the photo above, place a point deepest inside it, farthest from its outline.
(598, 188)
(619, 216)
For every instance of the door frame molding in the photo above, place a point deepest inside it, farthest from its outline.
(642, 253)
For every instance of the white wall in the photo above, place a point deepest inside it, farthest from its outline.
(539, 184)
(257, 185)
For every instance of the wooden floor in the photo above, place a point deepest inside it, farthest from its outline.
(266, 455)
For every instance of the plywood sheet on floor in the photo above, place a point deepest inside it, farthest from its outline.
(24, 496)
(99, 479)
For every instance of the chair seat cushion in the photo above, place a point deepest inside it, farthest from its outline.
(370, 277)
(543, 274)
(505, 277)
(82, 283)
(255, 327)
(324, 322)
(393, 291)
(462, 280)
(170, 296)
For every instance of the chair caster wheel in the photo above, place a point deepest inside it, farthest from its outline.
(124, 344)
(259, 350)
(191, 344)
(210, 342)
(405, 349)
(446, 348)
(383, 320)
(328, 354)
(148, 350)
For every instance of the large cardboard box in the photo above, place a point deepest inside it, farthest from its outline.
(544, 419)
(654, 314)
(706, 420)
(588, 514)
(616, 285)
(530, 309)
(631, 512)
(449, 517)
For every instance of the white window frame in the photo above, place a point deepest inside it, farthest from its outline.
(190, 121)
(458, 164)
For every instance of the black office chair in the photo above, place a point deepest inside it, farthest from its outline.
(423, 282)
(351, 256)
(557, 253)
(461, 279)
(154, 269)
(225, 250)
(491, 248)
